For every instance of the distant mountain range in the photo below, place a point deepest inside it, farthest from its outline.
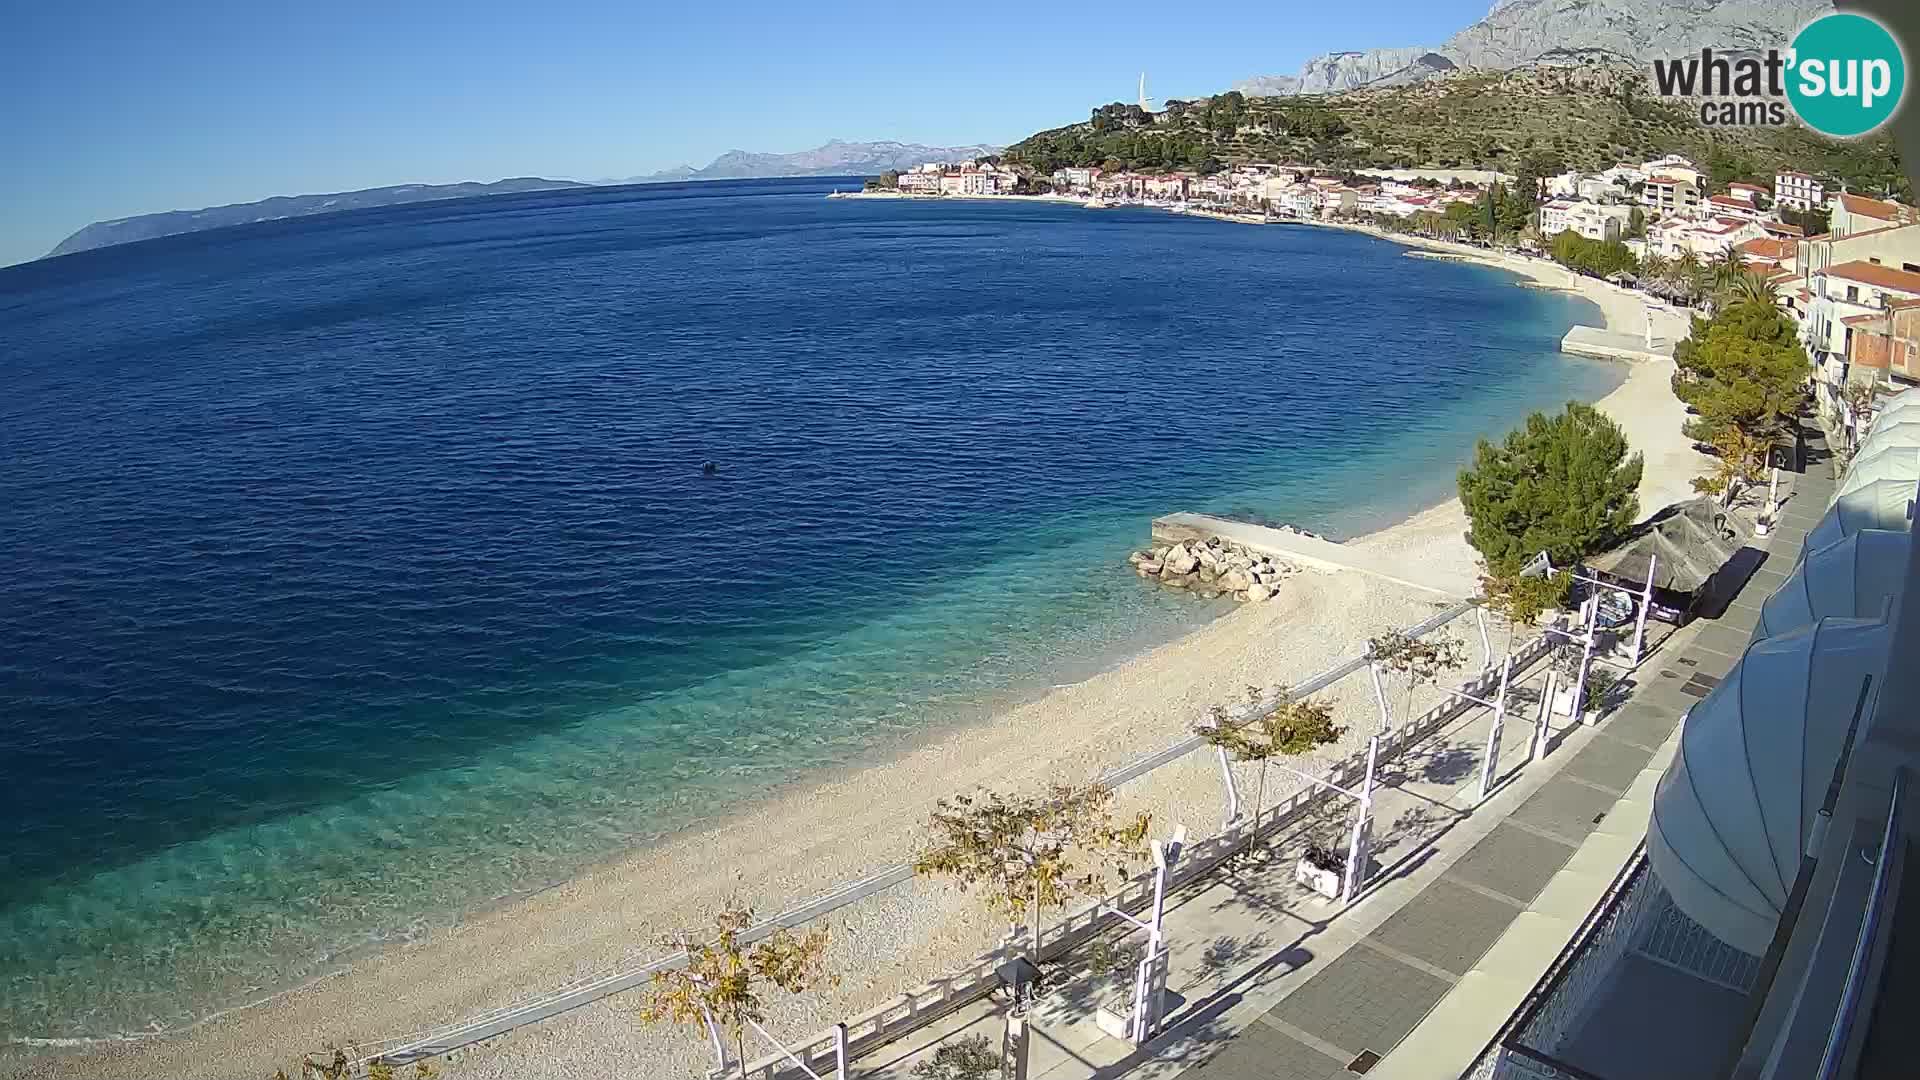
(148, 226)
(1517, 33)
(836, 158)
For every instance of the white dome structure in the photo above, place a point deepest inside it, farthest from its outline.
(1879, 504)
(1733, 812)
(1851, 578)
(1884, 463)
(1895, 429)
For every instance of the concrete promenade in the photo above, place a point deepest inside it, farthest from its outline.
(1466, 909)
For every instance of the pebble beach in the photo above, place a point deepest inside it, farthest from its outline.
(802, 840)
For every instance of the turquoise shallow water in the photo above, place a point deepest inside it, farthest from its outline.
(361, 570)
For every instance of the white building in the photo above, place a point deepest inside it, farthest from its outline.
(1671, 195)
(1674, 237)
(1591, 220)
(1564, 186)
(1798, 190)
(1675, 166)
(1601, 189)
(1732, 206)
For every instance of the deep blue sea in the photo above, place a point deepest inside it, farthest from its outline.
(358, 570)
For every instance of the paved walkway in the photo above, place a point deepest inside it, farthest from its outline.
(1272, 986)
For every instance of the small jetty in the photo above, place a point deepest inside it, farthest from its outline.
(1614, 345)
(1297, 548)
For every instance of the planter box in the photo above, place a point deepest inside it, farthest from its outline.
(1563, 701)
(1324, 882)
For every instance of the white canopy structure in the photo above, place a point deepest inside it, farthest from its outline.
(1733, 812)
(1851, 578)
(1883, 463)
(1905, 399)
(1899, 429)
(1880, 504)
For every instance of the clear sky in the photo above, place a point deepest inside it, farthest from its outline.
(119, 108)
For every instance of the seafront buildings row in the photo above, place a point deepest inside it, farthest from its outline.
(1852, 287)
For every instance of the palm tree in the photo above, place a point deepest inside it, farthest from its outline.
(1688, 276)
(1750, 287)
(1728, 269)
(1653, 273)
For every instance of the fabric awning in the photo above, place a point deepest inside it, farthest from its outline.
(1897, 429)
(1887, 462)
(1880, 504)
(1686, 543)
(1732, 813)
(1853, 578)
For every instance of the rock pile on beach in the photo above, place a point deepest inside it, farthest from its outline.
(1213, 568)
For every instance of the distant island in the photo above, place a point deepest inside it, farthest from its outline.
(835, 158)
(173, 222)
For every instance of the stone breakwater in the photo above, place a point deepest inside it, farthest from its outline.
(1212, 568)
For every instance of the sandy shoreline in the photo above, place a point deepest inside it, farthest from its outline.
(801, 842)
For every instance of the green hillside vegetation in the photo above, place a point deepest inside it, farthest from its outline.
(1586, 117)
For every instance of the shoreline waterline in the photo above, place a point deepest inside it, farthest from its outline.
(565, 903)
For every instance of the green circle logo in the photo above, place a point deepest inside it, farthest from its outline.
(1846, 75)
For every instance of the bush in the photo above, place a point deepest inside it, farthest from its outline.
(970, 1058)
(1595, 258)
(1564, 485)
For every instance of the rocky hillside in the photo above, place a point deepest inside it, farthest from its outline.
(1517, 33)
(836, 158)
(1588, 116)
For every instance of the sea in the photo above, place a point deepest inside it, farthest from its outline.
(364, 570)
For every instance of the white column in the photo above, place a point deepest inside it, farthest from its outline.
(1357, 853)
(840, 1052)
(1486, 642)
(1013, 1048)
(1646, 601)
(1580, 712)
(1543, 728)
(1233, 792)
(1491, 765)
(1380, 695)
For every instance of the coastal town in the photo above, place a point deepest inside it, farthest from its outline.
(1844, 265)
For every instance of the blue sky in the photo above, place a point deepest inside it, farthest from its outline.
(113, 109)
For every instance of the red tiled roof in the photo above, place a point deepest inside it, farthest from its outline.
(1884, 277)
(1875, 208)
(1860, 320)
(1667, 180)
(1765, 247)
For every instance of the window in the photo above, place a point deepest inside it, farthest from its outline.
(1853, 294)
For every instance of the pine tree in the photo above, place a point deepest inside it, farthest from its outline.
(1564, 485)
